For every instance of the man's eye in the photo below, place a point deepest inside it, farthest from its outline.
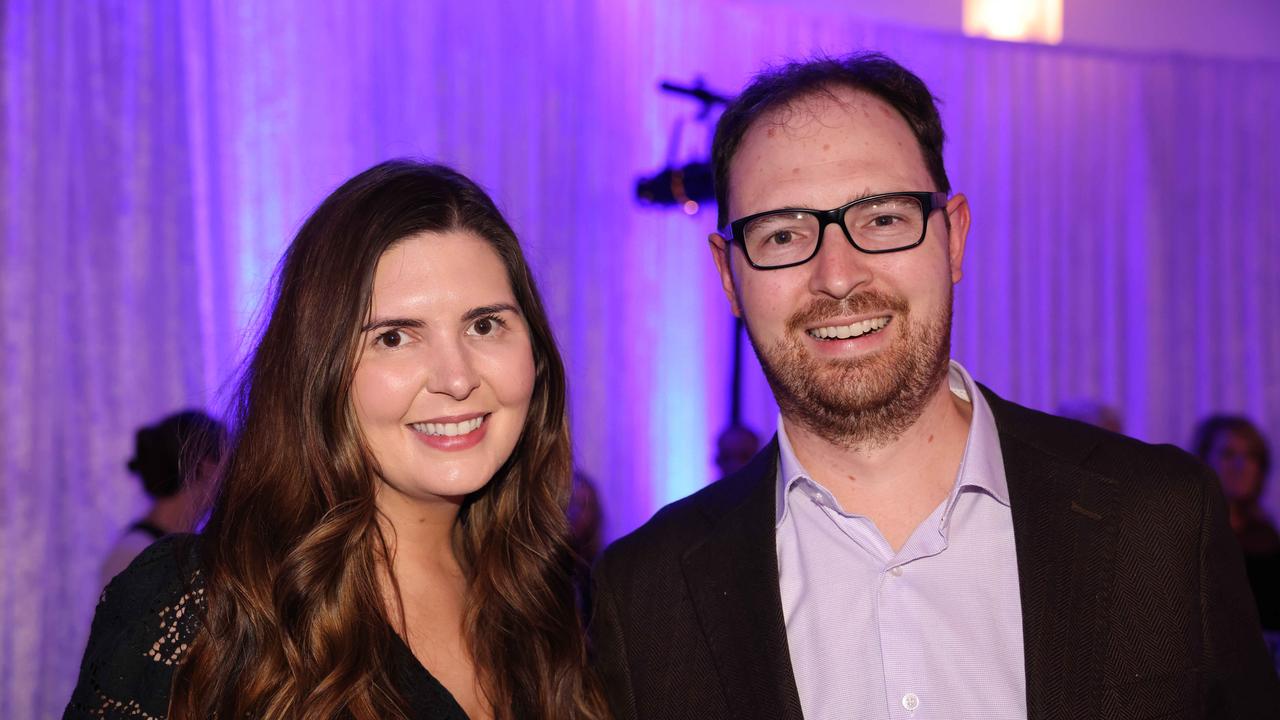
(782, 237)
(391, 338)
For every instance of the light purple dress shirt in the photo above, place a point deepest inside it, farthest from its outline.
(931, 632)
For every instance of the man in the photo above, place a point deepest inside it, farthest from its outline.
(909, 545)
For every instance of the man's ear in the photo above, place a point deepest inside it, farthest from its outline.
(957, 233)
(720, 249)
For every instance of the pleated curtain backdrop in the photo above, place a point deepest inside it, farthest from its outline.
(157, 158)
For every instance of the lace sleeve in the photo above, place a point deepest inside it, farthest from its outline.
(145, 621)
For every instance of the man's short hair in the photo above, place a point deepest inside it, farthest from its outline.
(868, 72)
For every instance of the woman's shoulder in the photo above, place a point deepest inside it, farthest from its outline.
(144, 623)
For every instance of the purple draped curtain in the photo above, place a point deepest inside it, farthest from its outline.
(158, 156)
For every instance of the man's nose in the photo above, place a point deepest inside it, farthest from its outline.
(839, 268)
(452, 371)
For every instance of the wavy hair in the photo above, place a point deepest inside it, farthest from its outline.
(294, 620)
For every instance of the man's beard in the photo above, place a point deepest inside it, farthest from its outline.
(866, 402)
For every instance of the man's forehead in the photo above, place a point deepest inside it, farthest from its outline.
(800, 152)
(822, 107)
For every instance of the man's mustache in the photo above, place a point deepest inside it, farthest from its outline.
(820, 309)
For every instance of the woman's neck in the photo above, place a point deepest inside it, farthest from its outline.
(420, 534)
(427, 597)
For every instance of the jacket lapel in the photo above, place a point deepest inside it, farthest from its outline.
(733, 582)
(1064, 527)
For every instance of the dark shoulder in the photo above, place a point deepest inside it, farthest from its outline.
(166, 569)
(1156, 471)
(143, 625)
(684, 523)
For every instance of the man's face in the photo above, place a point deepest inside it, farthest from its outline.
(893, 309)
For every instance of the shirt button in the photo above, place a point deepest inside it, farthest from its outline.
(896, 571)
(910, 701)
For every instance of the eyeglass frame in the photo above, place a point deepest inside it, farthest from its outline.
(929, 201)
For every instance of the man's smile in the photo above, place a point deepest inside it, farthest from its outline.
(851, 330)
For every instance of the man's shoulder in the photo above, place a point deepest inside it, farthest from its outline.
(1027, 432)
(684, 523)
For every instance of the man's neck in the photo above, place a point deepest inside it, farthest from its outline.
(899, 483)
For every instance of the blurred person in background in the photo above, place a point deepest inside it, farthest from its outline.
(174, 459)
(586, 518)
(735, 446)
(586, 529)
(1236, 450)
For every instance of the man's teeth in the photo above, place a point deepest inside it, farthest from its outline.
(449, 429)
(850, 331)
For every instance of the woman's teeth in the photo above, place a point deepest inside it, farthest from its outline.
(449, 429)
(849, 331)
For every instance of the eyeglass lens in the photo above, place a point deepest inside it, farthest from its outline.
(786, 237)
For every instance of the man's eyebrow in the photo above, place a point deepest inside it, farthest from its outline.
(392, 323)
(486, 310)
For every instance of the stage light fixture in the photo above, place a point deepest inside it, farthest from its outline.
(687, 186)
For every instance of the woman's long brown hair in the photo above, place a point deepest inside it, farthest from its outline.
(295, 623)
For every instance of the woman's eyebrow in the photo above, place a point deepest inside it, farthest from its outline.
(392, 323)
(494, 309)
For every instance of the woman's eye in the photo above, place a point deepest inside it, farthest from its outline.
(486, 326)
(391, 338)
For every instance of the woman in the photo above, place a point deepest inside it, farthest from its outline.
(1236, 450)
(389, 536)
(172, 459)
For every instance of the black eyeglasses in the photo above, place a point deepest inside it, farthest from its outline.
(883, 223)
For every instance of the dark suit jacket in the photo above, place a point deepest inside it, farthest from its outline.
(1133, 592)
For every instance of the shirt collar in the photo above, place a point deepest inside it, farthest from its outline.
(981, 465)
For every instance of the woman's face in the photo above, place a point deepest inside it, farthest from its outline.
(1232, 456)
(445, 371)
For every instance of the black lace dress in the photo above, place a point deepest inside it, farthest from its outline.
(144, 623)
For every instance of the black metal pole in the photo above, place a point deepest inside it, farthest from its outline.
(735, 383)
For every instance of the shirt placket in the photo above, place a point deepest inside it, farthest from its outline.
(903, 637)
